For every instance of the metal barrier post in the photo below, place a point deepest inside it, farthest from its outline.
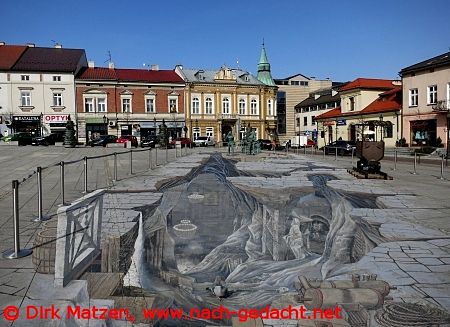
(167, 154)
(131, 162)
(16, 253)
(149, 158)
(442, 168)
(61, 180)
(156, 156)
(353, 150)
(85, 175)
(335, 152)
(324, 151)
(415, 163)
(40, 217)
(115, 166)
(304, 150)
(395, 160)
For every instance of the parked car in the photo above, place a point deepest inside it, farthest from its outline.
(342, 147)
(128, 138)
(204, 141)
(150, 141)
(45, 140)
(185, 141)
(22, 138)
(265, 144)
(310, 143)
(102, 140)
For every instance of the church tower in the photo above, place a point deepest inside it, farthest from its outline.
(264, 74)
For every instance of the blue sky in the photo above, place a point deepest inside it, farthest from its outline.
(341, 39)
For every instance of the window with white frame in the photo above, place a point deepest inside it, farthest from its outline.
(195, 105)
(57, 99)
(210, 131)
(253, 107)
(209, 106)
(413, 97)
(269, 107)
(173, 104)
(89, 104)
(432, 94)
(226, 105)
(101, 105)
(25, 98)
(56, 78)
(150, 104)
(25, 77)
(195, 132)
(242, 107)
(126, 105)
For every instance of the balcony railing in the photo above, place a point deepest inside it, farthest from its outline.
(442, 105)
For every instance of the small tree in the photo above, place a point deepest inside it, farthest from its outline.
(69, 137)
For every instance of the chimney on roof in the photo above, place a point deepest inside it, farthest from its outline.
(58, 46)
(31, 45)
(179, 66)
(91, 64)
(110, 65)
(2, 43)
(155, 67)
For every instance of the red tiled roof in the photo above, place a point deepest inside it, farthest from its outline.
(142, 75)
(98, 73)
(368, 83)
(131, 75)
(9, 54)
(333, 113)
(388, 101)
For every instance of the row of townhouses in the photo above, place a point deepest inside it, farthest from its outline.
(40, 88)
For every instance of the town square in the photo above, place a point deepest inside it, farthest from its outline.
(243, 187)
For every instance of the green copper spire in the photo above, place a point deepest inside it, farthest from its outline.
(264, 74)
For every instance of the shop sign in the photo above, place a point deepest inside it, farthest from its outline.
(328, 123)
(341, 122)
(56, 118)
(27, 118)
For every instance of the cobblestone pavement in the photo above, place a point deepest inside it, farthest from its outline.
(413, 210)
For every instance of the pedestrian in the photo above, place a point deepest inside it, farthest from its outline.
(273, 145)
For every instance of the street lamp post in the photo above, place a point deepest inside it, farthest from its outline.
(336, 121)
(154, 123)
(42, 123)
(381, 127)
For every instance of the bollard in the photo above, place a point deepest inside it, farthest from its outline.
(176, 150)
(395, 160)
(149, 158)
(131, 162)
(40, 217)
(167, 154)
(115, 167)
(442, 168)
(415, 163)
(304, 150)
(61, 179)
(16, 253)
(353, 150)
(324, 151)
(85, 175)
(335, 152)
(156, 156)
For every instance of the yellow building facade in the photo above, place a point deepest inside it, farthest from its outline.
(224, 100)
